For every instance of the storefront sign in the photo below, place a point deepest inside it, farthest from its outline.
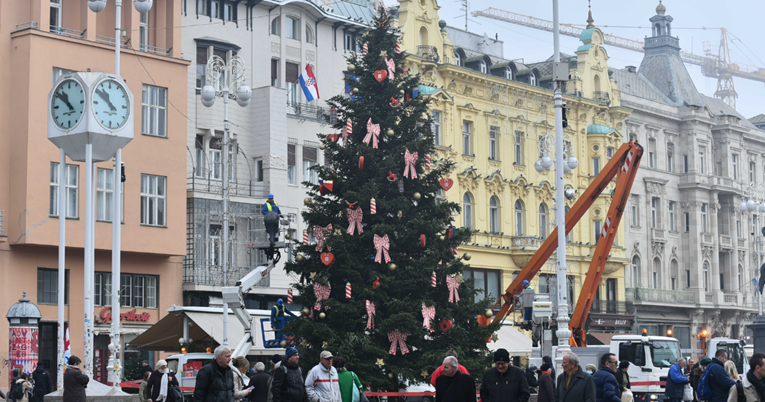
(611, 322)
(106, 316)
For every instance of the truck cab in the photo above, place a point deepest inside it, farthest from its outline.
(186, 366)
(734, 348)
(650, 358)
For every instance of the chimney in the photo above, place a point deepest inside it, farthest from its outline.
(631, 69)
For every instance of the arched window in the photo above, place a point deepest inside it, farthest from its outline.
(533, 79)
(740, 278)
(656, 274)
(308, 34)
(275, 26)
(494, 215)
(508, 73)
(597, 83)
(519, 218)
(293, 28)
(674, 272)
(543, 221)
(423, 36)
(467, 211)
(483, 66)
(635, 272)
(459, 58)
(706, 276)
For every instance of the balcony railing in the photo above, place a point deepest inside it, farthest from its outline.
(602, 97)
(212, 275)
(608, 307)
(660, 296)
(72, 33)
(429, 53)
(525, 241)
(238, 187)
(306, 110)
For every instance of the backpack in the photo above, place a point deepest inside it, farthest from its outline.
(703, 390)
(740, 391)
(270, 397)
(17, 391)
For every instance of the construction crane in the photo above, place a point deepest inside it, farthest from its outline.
(623, 165)
(714, 66)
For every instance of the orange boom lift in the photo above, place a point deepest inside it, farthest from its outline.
(623, 165)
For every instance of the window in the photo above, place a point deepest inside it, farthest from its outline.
(738, 228)
(740, 277)
(486, 281)
(519, 218)
(439, 198)
(143, 31)
(483, 66)
(275, 26)
(493, 134)
(55, 15)
(634, 211)
(228, 12)
(71, 191)
(687, 222)
(672, 225)
(467, 211)
(104, 194)
(674, 273)
(597, 228)
(655, 211)
(494, 215)
(202, 7)
(685, 163)
(543, 221)
(308, 34)
(47, 286)
(609, 153)
(350, 43)
(214, 246)
(214, 159)
(102, 285)
(201, 66)
(199, 157)
(310, 159)
(154, 113)
(702, 160)
(457, 59)
(291, 82)
(722, 281)
(153, 193)
(704, 227)
(652, 153)
(752, 173)
(259, 170)
(734, 161)
(706, 276)
(595, 165)
(655, 273)
(293, 28)
(291, 166)
(532, 79)
(135, 290)
(436, 127)
(215, 10)
(670, 157)
(508, 73)
(518, 148)
(635, 272)
(466, 138)
(687, 278)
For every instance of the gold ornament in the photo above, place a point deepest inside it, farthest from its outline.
(400, 214)
(287, 236)
(424, 374)
(488, 313)
(390, 376)
(402, 92)
(392, 266)
(305, 311)
(322, 146)
(390, 132)
(322, 315)
(441, 238)
(313, 275)
(417, 196)
(467, 256)
(324, 345)
(380, 363)
(308, 202)
(495, 337)
(460, 279)
(383, 53)
(351, 67)
(303, 343)
(299, 258)
(283, 344)
(355, 91)
(338, 232)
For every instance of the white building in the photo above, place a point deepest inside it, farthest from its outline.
(273, 141)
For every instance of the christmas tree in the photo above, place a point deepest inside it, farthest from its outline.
(385, 264)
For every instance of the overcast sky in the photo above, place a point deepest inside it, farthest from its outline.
(629, 18)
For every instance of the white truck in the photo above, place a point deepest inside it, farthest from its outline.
(182, 365)
(736, 352)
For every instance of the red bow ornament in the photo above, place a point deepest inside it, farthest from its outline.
(322, 293)
(410, 159)
(371, 315)
(391, 67)
(373, 131)
(319, 234)
(382, 245)
(428, 313)
(354, 220)
(397, 338)
(453, 285)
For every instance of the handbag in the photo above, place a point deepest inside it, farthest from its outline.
(358, 395)
(174, 393)
(687, 393)
(627, 396)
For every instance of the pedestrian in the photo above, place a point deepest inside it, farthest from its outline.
(730, 368)
(157, 388)
(75, 381)
(531, 378)
(548, 360)
(288, 385)
(455, 386)
(259, 384)
(42, 382)
(347, 379)
(696, 373)
(623, 376)
(590, 369)
(440, 369)
(689, 367)
(22, 387)
(241, 389)
(503, 382)
(676, 381)
(753, 383)
(142, 388)
(145, 367)
(276, 360)
(574, 384)
(321, 383)
(215, 381)
(607, 388)
(719, 381)
(546, 384)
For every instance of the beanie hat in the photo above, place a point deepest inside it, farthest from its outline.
(592, 367)
(545, 367)
(290, 352)
(161, 363)
(502, 355)
(705, 361)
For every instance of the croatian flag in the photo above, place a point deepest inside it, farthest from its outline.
(67, 347)
(308, 82)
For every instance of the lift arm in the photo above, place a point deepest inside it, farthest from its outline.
(234, 296)
(623, 165)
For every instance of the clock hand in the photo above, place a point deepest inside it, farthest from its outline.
(105, 96)
(65, 98)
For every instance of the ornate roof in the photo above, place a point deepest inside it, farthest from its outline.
(24, 309)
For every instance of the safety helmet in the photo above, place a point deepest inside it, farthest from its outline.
(525, 283)
(279, 302)
(270, 196)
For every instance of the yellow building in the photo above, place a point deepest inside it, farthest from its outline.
(494, 117)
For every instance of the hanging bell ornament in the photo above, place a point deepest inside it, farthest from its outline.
(441, 238)
(351, 68)
(467, 256)
(402, 92)
(390, 132)
(416, 196)
(283, 344)
(287, 236)
(322, 315)
(488, 313)
(355, 91)
(390, 376)
(307, 202)
(322, 146)
(299, 258)
(305, 311)
(392, 266)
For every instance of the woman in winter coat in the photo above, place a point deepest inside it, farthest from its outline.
(730, 368)
(159, 382)
(75, 381)
(347, 379)
(546, 385)
(240, 380)
(142, 388)
(26, 386)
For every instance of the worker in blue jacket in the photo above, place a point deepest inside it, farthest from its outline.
(278, 311)
(270, 206)
(676, 381)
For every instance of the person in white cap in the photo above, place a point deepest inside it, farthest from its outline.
(322, 383)
(156, 388)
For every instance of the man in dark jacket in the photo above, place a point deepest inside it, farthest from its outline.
(623, 375)
(42, 383)
(607, 389)
(453, 385)
(574, 384)
(288, 384)
(719, 381)
(215, 381)
(145, 367)
(676, 381)
(259, 383)
(548, 360)
(546, 385)
(504, 382)
(75, 381)
(531, 378)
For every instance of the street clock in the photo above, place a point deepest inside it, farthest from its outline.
(90, 108)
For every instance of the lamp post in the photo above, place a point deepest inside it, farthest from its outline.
(225, 79)
(751, 205)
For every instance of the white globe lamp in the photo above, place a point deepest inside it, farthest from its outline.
(96, 6)
(208, 93)
(573, 162)
(762, 207)
(142, 6)
(743, 206)
(244, 93)
(538, 166)
(546, 162)
(566, 169)
(750, 204)
(208, 103)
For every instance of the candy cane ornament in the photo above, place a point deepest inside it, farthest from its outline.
(433, 279)
(289, 296)
(305, 237)
(373, 206)
(347, 290)
(427, 162)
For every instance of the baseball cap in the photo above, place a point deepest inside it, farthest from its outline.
(326, 354)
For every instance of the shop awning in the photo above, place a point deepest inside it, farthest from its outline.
(513, 340)
(599, 338)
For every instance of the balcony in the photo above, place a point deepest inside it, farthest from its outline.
(726, 242)
(602, 97)
(641, 295)
(306, 110)
(659, 235)
(212, 275)
(236, 188)
(525, 241)
(706, 238)
(608, 307)
(429, 53)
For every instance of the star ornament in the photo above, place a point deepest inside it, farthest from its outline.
(313, 275)
(324, 345)
(424, 374)
(380, 363)
(494, 337)
(338, 232)
(383, 53)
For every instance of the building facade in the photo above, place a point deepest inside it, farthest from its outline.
(43, 39)
(692, 250)
(273, 141)
(494, 117)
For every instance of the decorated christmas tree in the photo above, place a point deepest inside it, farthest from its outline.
(382, 278)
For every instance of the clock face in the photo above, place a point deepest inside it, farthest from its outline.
(111, 104)
(67, 104)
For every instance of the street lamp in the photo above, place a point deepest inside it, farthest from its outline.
(751, 206)
(225, 78)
